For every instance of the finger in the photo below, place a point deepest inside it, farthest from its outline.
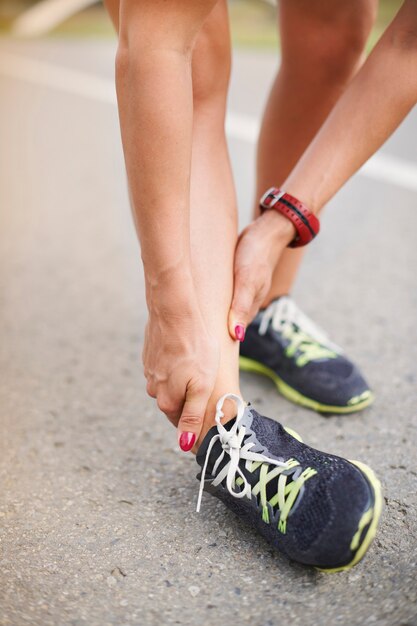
(192, 416)
(168, 405)
(240, 313)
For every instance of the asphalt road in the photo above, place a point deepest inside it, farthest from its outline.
(97, 505)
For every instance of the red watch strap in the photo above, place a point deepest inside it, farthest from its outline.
(306, 223)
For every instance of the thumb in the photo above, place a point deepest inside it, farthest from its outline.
(239, 314)
(192, 416)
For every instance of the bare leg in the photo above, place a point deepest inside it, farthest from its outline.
(213, 216)
(213, 202)
(322, 48)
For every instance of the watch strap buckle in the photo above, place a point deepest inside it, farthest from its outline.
(275, 195)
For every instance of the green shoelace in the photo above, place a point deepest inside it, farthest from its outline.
(309, 348)
(306, 341)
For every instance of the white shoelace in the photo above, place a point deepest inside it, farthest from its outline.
(231, 441)
(284, 311)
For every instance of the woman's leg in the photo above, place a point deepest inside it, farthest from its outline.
(213, 202)
(322, 48)
(213, 217)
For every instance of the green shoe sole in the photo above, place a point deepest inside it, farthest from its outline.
(357, 403)
(370, 517)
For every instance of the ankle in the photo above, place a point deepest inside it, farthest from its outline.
(229, 410)
(272, 296)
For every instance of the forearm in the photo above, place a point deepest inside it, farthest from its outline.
(372, 107)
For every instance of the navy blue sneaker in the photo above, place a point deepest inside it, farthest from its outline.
(307, 368)
(315, 508)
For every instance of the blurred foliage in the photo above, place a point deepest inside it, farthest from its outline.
(253, 22)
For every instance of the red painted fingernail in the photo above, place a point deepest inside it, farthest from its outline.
(186, 441)
(240, 332)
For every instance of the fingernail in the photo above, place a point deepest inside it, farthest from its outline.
(186, 441)
(240, 332)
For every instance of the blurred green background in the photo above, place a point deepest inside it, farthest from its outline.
(252, 21)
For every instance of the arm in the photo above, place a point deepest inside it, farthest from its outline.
(154, 88)
(374, 104)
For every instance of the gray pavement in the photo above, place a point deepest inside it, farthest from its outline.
(97, 521)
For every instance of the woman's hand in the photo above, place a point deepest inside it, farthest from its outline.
(180, 362)
(257, 253)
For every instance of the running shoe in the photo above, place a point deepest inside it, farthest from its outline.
(307, 368)
(316, 508)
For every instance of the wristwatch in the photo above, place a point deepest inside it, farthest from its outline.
(306, 223)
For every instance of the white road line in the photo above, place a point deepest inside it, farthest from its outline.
(381, 167)
(242, 127)
(387, 168)
(57, 77)
(45, 15)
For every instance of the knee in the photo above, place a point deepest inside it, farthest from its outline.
(333, 46)
(342, 45)
(138, 63)
(167, 30)
(211, 65)
(211, 73)
(403, 30)
(122, 60)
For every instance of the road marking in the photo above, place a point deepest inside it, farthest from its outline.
(381, 167)
(388, 168)
(57, 77)
(45, 15)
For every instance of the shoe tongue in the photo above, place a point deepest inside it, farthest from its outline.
(253, 422)
(217, 448)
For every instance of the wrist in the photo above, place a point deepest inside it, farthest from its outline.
(306, 224)
(302, 190)
(279, 228)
